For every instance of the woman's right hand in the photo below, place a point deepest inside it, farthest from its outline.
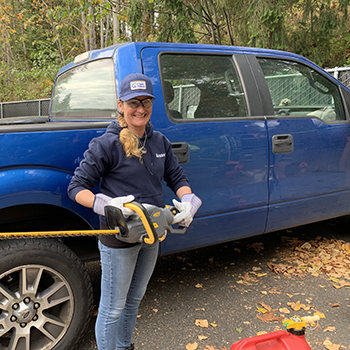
(101, 200)
(118, 202)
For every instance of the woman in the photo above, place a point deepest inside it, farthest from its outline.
(130, 161)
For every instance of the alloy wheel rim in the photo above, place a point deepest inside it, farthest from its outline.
(36, 308)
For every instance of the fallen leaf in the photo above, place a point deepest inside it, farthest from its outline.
(294, 306)
(202, 323)
(192, 346)
(320, 314)
(342, 283)
(335, 305)
(284, 310)
(239, 330)
(330, 346)
(277, 268)
(262, 310)
(346, 248)
(94, 311)
(265, 306)
(261, 274)
(247, 279)
(199, 285)
(261, 333)
(306, 246)
(257, 246)
(213, 324)
(275, 291)
(246, 322)
(329, 329)
(202, 337)
(269, 317)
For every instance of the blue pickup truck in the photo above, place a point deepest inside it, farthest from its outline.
(263, 136)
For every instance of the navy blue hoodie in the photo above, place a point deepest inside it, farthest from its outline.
(105, 161)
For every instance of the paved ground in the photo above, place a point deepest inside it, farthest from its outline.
(226, 284)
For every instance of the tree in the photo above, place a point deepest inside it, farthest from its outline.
(315, 27)
(37, 37)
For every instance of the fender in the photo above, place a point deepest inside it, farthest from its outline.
(32, 184)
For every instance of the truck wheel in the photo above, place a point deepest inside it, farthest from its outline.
(45, 295)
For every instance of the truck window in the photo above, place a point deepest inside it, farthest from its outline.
(297, 90)
(202, 86)
(86, 91)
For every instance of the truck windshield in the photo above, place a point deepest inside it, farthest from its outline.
(86, 91)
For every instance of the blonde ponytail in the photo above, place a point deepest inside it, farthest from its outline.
(129, 140)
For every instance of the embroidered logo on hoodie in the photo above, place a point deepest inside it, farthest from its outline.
(160, 155)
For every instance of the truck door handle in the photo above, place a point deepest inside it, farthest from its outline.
(282, 143)
(181, 151)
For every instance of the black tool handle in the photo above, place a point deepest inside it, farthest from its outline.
(115, 218)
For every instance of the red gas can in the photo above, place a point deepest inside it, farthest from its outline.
(292, 339)
(280, 340)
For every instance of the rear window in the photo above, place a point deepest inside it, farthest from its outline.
(87, 91)
(298, 90)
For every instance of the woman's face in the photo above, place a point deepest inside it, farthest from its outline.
(137, 112)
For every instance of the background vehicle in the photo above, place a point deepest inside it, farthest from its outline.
(262, 135)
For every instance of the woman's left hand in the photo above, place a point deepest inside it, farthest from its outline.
(188, 207)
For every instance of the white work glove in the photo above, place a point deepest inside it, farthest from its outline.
(118, 202)
(99, 203)
(188, 207)
(101, 200)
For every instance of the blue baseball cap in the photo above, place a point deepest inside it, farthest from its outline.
(134, 85)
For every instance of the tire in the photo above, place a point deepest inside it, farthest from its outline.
(45, 295)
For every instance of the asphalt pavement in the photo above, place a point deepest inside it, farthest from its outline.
(210, 298)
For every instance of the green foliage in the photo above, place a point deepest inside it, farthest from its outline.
(266, 24)
(320, 31)
(340, 51)
(134, 18)
(175, 19)
(38, 37)
(20, 84)
(43, 53)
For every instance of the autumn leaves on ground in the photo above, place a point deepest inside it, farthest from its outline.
(325, 260)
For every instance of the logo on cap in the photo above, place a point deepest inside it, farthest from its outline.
(138, 85)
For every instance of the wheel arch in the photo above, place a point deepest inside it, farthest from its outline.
(32, 217)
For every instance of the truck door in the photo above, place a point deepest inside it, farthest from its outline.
(310, 144)
(205, 107)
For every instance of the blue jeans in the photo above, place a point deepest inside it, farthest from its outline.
(125, 275)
